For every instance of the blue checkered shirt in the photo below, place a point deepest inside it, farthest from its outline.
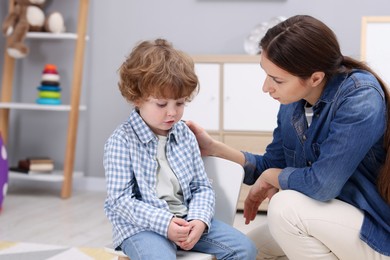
(132, 204)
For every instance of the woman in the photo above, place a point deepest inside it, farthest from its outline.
(328, 155)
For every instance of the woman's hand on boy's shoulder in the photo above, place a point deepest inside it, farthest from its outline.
(205, 141)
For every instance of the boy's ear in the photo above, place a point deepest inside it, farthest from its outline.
(316, 78)
(137, 103)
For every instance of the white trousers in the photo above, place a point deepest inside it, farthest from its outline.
(302, 228)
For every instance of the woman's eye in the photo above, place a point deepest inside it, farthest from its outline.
(278, 81)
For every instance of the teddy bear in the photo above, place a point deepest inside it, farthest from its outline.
(54, 23)
(28, 15)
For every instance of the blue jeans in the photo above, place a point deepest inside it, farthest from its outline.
(222, 241)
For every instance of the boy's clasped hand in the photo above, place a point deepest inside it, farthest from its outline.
(185, 234)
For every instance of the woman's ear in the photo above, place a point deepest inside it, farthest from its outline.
(317, 78)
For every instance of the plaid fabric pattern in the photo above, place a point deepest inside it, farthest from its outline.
(131, 168)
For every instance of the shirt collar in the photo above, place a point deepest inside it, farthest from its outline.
(331, 88)
(143, 131)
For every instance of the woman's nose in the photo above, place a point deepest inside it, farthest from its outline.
(266, 87)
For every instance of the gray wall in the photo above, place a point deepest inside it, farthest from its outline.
(195, 26)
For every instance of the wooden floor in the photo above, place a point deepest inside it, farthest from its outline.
(39, 215)
(36, 215)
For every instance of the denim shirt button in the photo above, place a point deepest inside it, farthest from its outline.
(309, 163)
(304, 137)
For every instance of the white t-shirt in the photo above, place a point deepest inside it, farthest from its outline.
(168, 187)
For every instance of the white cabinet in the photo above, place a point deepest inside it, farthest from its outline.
(205, 107)
(246, 107)
(231, 98)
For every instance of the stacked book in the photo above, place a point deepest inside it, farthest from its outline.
(35, 165)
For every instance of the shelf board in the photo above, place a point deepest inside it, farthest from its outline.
(55, 176)
(34, 106)
(46, 35)
(234, 58)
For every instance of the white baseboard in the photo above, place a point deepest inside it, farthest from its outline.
(90, 184)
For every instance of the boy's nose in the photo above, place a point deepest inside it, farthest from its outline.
(172, 112)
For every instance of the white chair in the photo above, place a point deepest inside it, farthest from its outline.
(226, 178)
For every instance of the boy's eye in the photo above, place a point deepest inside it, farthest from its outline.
(161, 104)
(180, 104)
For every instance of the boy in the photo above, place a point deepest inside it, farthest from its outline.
(159, 197)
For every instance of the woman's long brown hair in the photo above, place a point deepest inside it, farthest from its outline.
(303, 45)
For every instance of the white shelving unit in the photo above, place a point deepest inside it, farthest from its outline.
(53, 36)
(55, 176)
(34, 106)
(6, 103)
(43, 35)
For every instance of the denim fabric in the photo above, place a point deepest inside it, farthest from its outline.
(223, 241)
(339, 155)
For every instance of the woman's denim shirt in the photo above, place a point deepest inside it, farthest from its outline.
(339, 155)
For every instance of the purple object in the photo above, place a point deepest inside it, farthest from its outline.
(3, 172)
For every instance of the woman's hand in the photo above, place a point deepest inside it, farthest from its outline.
(205, 141)
(264, 187)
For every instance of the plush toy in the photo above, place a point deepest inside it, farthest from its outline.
(27, 15)
(54, 23)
